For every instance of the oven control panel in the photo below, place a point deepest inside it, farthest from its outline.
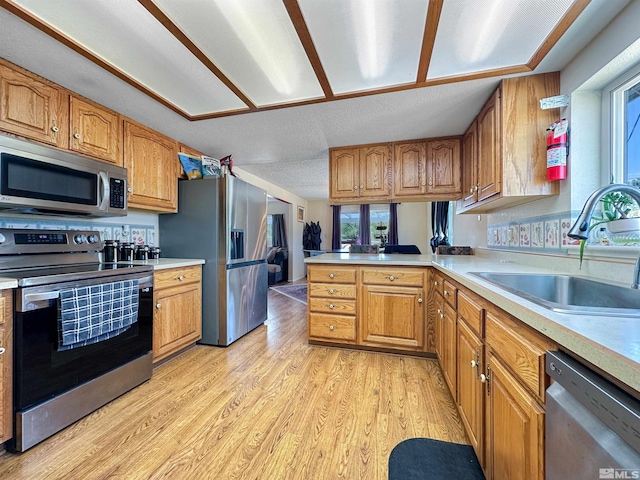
(22, 241)
(40, 238)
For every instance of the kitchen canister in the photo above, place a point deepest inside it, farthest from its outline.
(142, 252)
(154, 253)
(126, 252)
(110, 251)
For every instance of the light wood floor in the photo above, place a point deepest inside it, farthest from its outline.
(268, 407)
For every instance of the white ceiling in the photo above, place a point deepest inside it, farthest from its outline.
(263, 66)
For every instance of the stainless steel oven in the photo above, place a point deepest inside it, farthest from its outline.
(54, 387)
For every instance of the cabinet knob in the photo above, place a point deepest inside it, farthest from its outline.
(471, 190)
(361, 187)
(439, 311)
(331, 327)
(2, 350)
(483, 378)
(430, 182)
(436, 283)
(447, 293)
(129, 189)
(355, 187)
(332, 275)
(54, 128)
(331, 306)
(419, 299)
(158, 305)
(474, 364)
(76, 135)
(181, 277)
(331, 290)
(441, 315)
(391, 277)
(475, 189)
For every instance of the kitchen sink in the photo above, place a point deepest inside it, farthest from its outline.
(569, 294)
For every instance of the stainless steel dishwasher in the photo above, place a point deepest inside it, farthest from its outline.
(592, 426)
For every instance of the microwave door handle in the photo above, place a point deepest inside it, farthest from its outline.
(105, 190)
(38, 297)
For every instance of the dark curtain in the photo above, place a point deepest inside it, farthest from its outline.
(393, 224)
(336, 237)
(278, 232)
(364, 230)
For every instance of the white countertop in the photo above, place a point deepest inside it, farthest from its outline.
(610, 343)
(162, 263)
(8, 283)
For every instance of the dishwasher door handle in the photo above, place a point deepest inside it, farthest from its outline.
(39, 297)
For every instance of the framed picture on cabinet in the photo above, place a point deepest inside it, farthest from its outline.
(300, 214)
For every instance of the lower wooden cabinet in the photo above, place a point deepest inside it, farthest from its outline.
(177, 322)
(515, 427)
(6, 365)
(374, 307)
(449, 360)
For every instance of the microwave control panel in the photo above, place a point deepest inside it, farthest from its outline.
(117, 188)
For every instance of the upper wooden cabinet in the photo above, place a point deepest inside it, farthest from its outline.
(95, 131)
(33, 108)
(443, 168)
(509, 164)
(150, 159)
(409, 169)
(416, 170)
(360, 173)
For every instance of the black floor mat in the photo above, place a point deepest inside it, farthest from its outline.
(427, 459)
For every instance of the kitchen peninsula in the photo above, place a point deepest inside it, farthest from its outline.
(491, 344)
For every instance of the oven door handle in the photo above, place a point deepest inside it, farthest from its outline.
(106, 190)
(38, 297)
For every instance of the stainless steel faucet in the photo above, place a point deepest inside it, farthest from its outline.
(580, 228)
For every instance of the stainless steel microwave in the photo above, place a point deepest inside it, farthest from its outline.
(35, 178)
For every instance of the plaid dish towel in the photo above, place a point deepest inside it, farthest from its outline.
(91, 314)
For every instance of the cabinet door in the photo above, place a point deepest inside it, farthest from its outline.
(151, 162)
(33, 109)
(178, 319)
(515, 428)
(443, 167)
(374, 172)
(409, 169)
(439, 326)
(391, 317)
(6, 365)
(470, 390)
(489, 148)
(344, 173)
(470, 166)
(449, 342)
(95, 131)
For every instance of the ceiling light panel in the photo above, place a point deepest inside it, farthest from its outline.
(477, 35)
(365, 44)
(253, 42)
(125, 35)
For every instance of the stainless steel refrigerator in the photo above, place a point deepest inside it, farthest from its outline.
(224, 221)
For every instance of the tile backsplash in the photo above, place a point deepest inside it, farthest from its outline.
(545, 233)
(114, 230)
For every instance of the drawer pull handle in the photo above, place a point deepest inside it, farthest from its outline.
(332, 275)
(331, 327)
(331, 305)
(2, 350)
(447, 293)
(158, 305)
(391, 277)
(332, 291)
(419, 299)
(181, 277)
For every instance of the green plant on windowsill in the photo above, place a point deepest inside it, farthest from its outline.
(616, 207)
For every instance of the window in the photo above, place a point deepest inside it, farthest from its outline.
(269, 231)
(350, 224)
(625, 130)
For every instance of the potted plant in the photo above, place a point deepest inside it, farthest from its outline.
(616, 207)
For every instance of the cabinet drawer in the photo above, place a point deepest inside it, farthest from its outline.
(449, 291)
(438, 282)
(471, 312)
(332, 327)
(331, 290)
(410, 277)
(521, 349)
(172, 277)
(331, 305)
(331, 274)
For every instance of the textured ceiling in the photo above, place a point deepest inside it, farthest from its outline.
(288, 146)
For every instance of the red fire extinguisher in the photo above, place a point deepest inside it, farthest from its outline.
(557, 150)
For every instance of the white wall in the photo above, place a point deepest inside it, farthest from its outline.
(294, 229)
